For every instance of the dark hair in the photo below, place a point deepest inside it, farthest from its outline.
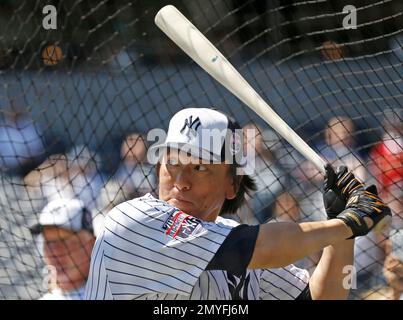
(244, 184)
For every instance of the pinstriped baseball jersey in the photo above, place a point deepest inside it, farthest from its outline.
(151, 250)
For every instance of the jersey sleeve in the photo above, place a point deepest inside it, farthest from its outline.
(283, 283)
(152, 247)
(236, 251)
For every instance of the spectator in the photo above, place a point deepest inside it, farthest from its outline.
(74, 175)
(269, 176)
(134, 174)
(340, 150)
(307, 187)
(50, 179)
(393, 265)
(85, 179)
(287, 208)
(386, 158)
(133, 177)
(306, 183)
(340, 147)
(393, 271)
(66, 228)
(385, 165)
(21, 143)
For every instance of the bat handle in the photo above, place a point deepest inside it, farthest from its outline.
(319, 163)
(281, 127)
(310, 154)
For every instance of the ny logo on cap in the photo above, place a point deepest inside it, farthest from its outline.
(192, 126)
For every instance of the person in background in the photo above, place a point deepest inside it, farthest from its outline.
(134, 174)
(84, 174)
(68, 239)
(21, 143)
(72, 175)
(340, 149)
(386, 167)
(386, 157)
(287, 208)
(340, 146)
(49, 180)
(393, 264)
(268, 174)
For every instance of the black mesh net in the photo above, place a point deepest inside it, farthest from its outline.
(84, 82)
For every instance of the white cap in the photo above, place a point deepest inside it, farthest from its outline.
(207, 134)
(70, 214)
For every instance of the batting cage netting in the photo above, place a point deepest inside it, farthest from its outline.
(83, 83)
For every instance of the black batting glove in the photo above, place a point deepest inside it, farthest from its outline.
(337, 188)
(365, 204)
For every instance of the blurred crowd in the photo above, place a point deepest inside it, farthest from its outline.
(289, 188)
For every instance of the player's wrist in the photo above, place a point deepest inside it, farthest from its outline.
(356, 225)
(346, 231)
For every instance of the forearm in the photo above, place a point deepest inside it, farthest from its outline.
(280, 244)
(328, 280)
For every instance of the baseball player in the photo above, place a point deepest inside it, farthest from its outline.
(178, 246)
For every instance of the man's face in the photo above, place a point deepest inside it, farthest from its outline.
(339, 134)
(69, 253)
(133, 149)
(287, 208)
(197, 189)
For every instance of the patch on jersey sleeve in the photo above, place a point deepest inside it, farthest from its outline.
(181, 226)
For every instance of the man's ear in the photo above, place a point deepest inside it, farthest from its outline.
(233, 190)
